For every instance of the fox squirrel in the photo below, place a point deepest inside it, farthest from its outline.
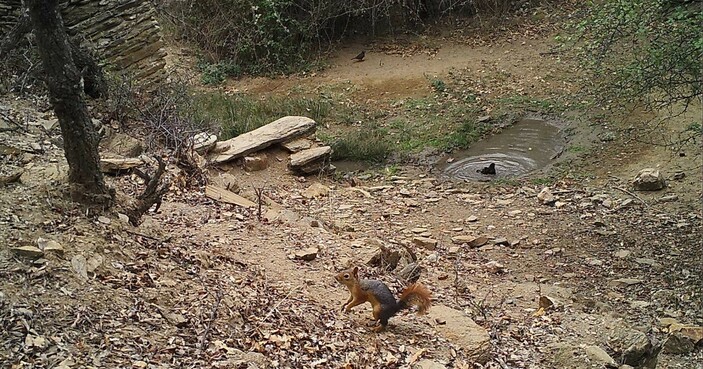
(377, 293)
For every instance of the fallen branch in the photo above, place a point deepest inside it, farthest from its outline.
(632, 194)
(147, 236)
(154, 191)
(213, 316)
(273, 308)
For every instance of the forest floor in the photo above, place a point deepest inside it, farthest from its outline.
(206, 284)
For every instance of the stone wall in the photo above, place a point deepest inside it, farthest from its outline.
(124, 33)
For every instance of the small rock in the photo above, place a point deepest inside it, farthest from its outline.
(204, 142)
(454, 250)
(624, 282)
(78, 263)
(666, 322)
(28, 251)
(622, 254)
(651, 262)
(426, 242)
(501, 241)
(546, 197)
(50, 246)
(599, 356)
(695, 333)
(315, 190)
(462, 332)
(93, 263)
(308, 254)
(504, 201)
(494, 267)
(559, 204)
(472, 219)
(549, 302)
(669, 198)
(513, 213)
(103, 219)
(256, 163)
(418, 230)
(678, 344)
(594, 261)
(648, 179)
(123, 218)
(428, 364)
(124, 145)
(31, 341)
(639, 304)
(634, 348)
(472, 241)
(679, 176)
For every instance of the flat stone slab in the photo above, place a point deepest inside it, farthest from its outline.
(311, 161)
(296, 145)
(308, 156)
(218, 193)
(277, 131)
(458, 328)
(115, 165)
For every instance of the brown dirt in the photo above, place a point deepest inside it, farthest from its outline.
(200, 278)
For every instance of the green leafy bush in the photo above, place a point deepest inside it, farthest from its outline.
(643, 51)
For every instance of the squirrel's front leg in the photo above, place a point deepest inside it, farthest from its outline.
(354, 302)
(347, 303)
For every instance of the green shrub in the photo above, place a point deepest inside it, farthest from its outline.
(363, 144)
(238, 114)
(642, 51)
(214, 74)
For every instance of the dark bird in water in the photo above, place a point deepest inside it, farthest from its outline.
(360, 57)
(491, 169)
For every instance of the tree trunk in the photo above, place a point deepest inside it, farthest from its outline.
(66, 95)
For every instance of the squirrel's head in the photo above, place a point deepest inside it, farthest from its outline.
(348, 276)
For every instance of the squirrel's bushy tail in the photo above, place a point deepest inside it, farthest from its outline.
(415, 295)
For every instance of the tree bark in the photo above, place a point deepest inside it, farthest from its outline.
(66, 95)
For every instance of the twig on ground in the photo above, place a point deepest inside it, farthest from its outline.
(202, 343)
(259, 191)
(273, 308)
(147, 236)
(632, 194)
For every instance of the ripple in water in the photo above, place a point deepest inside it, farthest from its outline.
(519, 149)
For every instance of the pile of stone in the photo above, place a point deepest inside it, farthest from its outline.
(290, 132)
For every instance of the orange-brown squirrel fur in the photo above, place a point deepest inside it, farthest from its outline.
(382, 301)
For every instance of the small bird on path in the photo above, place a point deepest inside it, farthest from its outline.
(360, 57)
(491, 169)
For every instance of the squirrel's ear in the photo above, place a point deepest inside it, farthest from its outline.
(355, 271)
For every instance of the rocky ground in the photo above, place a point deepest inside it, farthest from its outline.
(580, 277)
(588, 273)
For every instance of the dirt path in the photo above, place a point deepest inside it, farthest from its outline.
(391, 76)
